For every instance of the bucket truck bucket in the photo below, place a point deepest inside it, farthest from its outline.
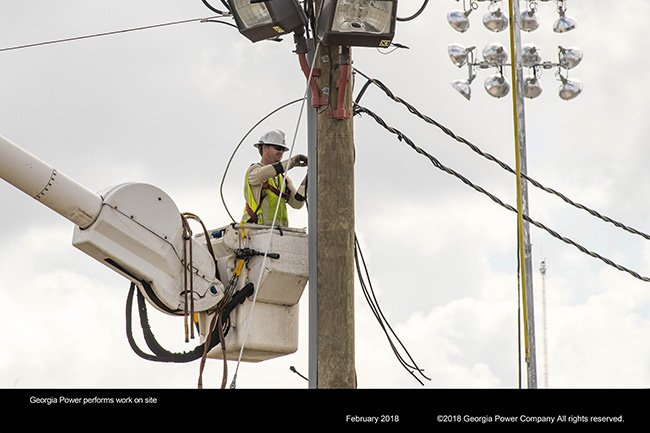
(266, 324)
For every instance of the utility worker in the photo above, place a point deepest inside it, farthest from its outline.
(263, 186)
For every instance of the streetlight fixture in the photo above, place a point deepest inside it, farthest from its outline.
(532, 87)
(569, 89)
(570, 57)
(261, 20)
(495, 53)
(459, 20)
(496, 85)
(459, 54)
(495, 20)
(564, 23)
(357, 22)
(463, 87)
(528, 20)
(530, 56)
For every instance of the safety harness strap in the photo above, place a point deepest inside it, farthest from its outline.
(265, 186)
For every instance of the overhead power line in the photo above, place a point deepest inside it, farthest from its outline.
(402, 137)
(490, 157)
(95, 35)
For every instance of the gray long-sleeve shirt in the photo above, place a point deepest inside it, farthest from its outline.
(259, 173)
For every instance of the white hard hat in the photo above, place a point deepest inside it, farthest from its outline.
(274, 138)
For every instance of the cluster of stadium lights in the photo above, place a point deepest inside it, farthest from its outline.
(496, 56)
(340, 22)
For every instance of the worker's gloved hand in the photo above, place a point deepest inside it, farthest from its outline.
(297, 161)
(301, 194)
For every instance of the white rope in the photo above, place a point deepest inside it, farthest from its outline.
(282, 188)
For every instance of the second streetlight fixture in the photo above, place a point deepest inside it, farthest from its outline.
(357, 22)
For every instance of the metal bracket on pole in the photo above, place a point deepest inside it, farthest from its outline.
(340, 112)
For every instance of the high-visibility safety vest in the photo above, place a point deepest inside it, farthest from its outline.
(263, 212)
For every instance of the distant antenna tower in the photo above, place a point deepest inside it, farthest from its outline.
(542, 269)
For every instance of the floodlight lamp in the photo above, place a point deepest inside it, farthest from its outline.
(569, 89)
(458, 54)
(530, 56)
(532, 87)
(564, 23)
(458, 20)
(569, 57)
(528, 21)
(495, 21)
(463, 88)
(495, 53)
(360, 23)
(497, 86)
(260, 20)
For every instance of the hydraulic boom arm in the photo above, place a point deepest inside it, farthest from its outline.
(134, 229)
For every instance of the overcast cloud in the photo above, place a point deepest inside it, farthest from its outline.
(167, 106)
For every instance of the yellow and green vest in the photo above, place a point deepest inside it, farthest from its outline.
(263, 212)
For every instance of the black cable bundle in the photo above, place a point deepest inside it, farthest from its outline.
(161, 354)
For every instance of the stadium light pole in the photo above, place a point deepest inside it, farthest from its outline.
(527, 56)
(525, 249)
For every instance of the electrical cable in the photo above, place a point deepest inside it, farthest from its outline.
(308, 7)
(163, 355)
(490, 157)
(211, 20)
(159, 353)
(415, 15)
(76, 38)
(209, 6)
(239, 145)
(437, 164)
(292, 368)
(369, 294)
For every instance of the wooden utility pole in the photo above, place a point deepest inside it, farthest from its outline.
(334, 220)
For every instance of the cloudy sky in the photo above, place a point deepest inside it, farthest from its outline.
(168, 105)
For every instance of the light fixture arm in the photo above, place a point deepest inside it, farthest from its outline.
(473, 5)
(535, 70)
(532, 5)
(471, 75)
